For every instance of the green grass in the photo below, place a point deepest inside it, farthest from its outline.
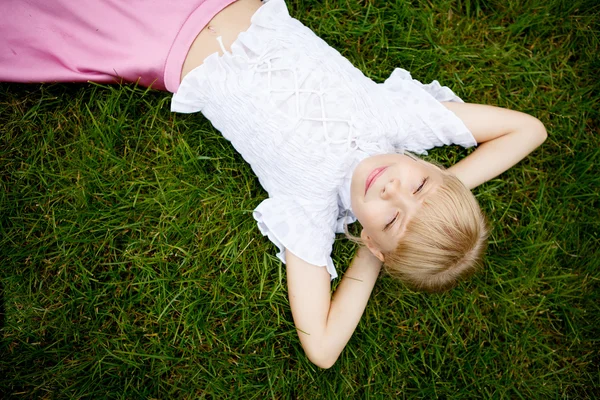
(131, 266)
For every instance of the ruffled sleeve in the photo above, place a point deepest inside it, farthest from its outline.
(289, 225)
(426, 122)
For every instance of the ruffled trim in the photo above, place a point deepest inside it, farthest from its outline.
(441, 93)
(287, 226)
(427, 122)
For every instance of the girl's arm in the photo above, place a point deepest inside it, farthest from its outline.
(505, 137)
(326, 323)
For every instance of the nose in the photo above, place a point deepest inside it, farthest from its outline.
(399, 195)
(391, 189)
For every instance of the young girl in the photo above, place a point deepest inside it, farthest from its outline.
(326, 143)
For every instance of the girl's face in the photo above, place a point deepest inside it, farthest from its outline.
(386, 191)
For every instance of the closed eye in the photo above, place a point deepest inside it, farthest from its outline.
(423, 183)
(389, 224)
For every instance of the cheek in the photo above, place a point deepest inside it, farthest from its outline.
(370, 218)
(362, 215)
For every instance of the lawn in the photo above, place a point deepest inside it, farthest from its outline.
(131, 266)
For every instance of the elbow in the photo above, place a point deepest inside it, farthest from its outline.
(324, 362)
(538, 132)
(322, 358)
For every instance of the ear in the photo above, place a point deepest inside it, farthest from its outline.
(371, 245)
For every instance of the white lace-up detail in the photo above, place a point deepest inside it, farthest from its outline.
(303, 117)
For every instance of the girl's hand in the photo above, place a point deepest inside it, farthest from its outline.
(325, 324)
(505, 137)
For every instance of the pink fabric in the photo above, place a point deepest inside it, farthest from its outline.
(143, 41)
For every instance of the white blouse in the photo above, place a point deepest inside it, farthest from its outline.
(303, 117)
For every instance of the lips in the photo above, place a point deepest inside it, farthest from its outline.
(373, 177)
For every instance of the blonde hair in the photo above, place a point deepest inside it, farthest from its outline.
(443, 243)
